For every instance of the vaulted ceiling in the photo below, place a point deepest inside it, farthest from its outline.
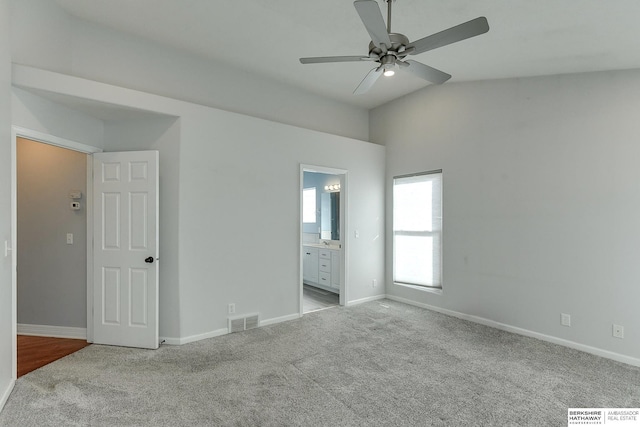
(526, 38)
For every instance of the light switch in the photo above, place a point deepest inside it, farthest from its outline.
(69, 238)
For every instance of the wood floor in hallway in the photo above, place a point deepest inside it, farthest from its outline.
(35, 352)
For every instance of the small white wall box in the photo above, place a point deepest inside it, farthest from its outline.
(75, 194)
(75, 206)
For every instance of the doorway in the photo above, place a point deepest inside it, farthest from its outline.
(52, 240)
(51, 253)
(323, 228)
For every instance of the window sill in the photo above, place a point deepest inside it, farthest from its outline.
(437, 291)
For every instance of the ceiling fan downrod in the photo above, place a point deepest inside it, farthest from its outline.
(389, 15)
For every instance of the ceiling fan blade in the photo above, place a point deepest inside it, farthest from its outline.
(469, 29)
(368, 81)
(371, 17)
(425, 72)
(323, 59)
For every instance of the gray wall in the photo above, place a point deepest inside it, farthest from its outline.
(540, 193)
(66, 44)
(6, 330)
(226, 170)
(218, 174)
(42, 115)
(52, 275)
(240, 215)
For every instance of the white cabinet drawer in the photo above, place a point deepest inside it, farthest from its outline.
(325, 279)
(325, 253)
(325, 265)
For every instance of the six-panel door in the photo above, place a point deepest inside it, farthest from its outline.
(125, 300)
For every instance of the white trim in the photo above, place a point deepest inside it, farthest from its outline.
(520, 331)
(34, 135)
(344, 229)
(367, 299)
(225, 331)
(14, 256)
(52, 331)
(20, 132)
(89, 217)
(437, 291)
(280, 319)
(200, 337)
(169, 341)
(6, 393)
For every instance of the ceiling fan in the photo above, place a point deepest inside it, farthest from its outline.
(390, 49)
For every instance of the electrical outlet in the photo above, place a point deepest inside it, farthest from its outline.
(565, 319)
(374, 283)
(69, 238)
(232, 308)
(618, 331)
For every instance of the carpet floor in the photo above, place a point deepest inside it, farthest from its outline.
(381, 363)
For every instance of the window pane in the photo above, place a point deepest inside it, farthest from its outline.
(413, 260)
(309, 205)
(412, 208)
(417, 225)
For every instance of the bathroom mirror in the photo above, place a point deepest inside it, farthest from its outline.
(330, 216)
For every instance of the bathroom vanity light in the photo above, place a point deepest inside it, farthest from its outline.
(332, 187)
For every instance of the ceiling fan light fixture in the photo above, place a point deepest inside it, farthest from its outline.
(388, 72)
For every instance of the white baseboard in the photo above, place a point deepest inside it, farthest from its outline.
(169, 340)
(280, 319)
(220, 332)
(6, 393)
(52, 331)
(204, 336)
(520, 331)
(363, 300)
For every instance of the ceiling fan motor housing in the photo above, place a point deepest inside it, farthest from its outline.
(399, 42)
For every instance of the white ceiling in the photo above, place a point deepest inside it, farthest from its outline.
(527, 38)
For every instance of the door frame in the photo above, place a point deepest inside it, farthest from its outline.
(344, 229)
(44, 138)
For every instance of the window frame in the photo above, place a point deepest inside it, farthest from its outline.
(435, 234)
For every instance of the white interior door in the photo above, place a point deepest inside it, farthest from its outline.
(125, 242)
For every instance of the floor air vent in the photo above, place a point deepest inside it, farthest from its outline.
(238, 324)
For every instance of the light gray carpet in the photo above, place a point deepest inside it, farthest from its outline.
(377, 364)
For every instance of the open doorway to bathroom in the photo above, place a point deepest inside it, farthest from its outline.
(323, 213)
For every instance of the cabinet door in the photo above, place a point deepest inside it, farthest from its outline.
(310, 264)
(335, 270)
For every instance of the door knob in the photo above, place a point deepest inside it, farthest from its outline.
(149, 260)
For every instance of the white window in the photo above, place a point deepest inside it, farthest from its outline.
(417, 229)
(309, 205)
